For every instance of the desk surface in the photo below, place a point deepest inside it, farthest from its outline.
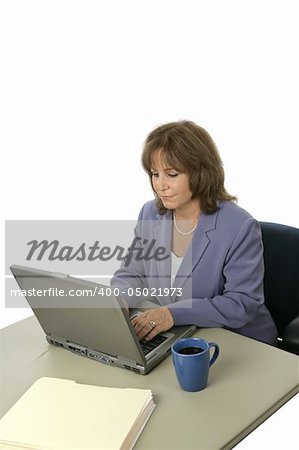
(248, 382)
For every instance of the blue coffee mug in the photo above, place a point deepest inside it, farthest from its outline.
(192, 361)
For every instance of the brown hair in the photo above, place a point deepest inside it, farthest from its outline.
(188, 148)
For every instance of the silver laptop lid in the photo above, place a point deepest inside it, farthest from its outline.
(96, 322)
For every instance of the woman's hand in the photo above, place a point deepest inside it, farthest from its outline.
(152, 322)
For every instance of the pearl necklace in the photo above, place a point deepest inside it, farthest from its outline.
(177, 228)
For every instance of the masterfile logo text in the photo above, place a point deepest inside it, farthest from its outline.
(140, 249)
(91, 250)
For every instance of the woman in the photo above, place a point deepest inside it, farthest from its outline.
(213, 275)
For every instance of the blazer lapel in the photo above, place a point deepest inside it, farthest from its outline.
(196, 250)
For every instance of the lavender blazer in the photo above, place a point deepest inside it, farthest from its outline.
(220, 280)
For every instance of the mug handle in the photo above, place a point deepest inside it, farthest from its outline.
(216, 352)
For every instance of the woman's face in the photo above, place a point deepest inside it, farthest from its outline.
(171, 185)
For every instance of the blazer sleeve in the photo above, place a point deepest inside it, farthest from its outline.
(242, 295)
(131, 276)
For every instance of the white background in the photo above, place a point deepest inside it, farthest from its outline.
(83, 83)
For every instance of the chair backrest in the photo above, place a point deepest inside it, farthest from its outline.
(281, 281)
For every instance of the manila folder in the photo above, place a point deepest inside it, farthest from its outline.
(64, 415)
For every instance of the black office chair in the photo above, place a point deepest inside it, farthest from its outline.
(281, 281)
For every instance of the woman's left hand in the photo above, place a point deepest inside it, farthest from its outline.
(152, 322)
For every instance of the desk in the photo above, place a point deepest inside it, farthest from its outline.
(248, 382)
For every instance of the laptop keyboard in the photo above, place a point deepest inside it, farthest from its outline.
(148, 346)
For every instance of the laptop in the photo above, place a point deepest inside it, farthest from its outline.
(93, 326)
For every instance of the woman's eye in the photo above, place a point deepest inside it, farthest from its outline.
(170, 174)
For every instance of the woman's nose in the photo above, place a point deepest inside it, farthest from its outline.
(162, 183)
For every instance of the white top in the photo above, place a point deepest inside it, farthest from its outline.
(175, 265)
